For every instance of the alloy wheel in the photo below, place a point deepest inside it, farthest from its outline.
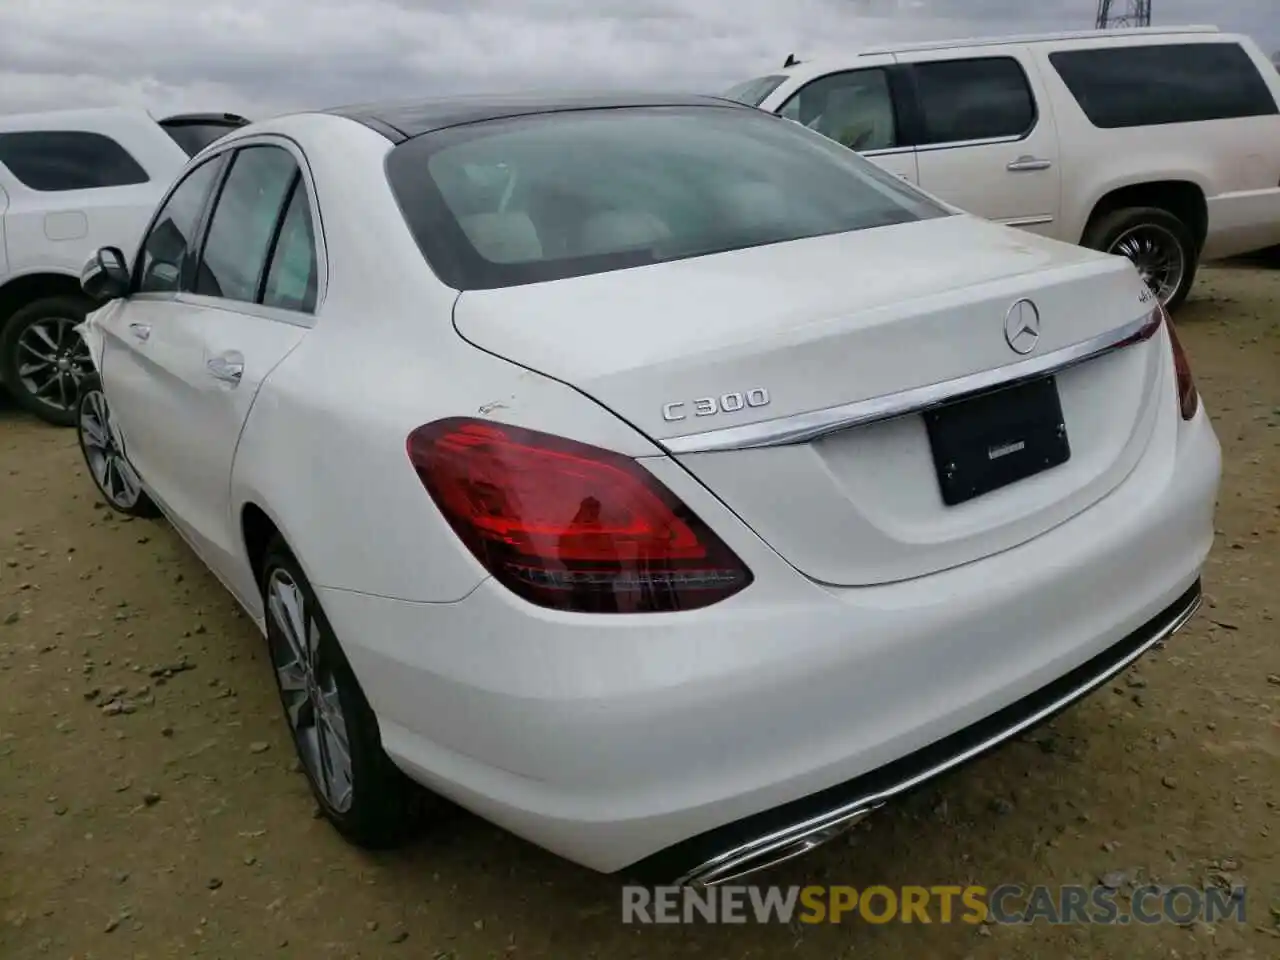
(52, 360)
(308, 686)
(1157, 254)
(105, 453)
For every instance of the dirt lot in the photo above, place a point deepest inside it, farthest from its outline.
(183, 829)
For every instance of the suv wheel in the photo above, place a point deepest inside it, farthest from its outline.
(1160, 245)
(43, 358)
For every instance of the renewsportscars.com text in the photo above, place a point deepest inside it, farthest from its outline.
(1004, 904)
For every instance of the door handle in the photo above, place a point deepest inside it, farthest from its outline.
(227, 367)
(1027, 163)
(140, 331)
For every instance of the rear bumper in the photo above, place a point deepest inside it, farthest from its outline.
(610, 740)
(795, 828)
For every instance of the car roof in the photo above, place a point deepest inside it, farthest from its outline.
(51, 119)
(403, 120)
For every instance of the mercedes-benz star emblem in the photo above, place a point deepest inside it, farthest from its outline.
(1022, 327)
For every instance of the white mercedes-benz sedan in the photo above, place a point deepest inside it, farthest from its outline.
(649, 475)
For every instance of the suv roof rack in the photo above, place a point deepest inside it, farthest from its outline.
(1038, 38)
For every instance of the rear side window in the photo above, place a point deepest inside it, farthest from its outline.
(61, 160)
(566, 194)
(1169, 83)
(981, 99)
(291, 278)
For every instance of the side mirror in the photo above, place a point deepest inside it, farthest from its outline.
(106, 276)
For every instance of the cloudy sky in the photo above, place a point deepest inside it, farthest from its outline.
(264, 56)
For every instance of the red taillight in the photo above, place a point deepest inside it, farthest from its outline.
(571, 526)
(1188, 396)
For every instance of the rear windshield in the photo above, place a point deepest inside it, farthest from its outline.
(753, 92)
(194, 137)
(567, 194)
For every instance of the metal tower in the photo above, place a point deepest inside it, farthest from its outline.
(1123, 13)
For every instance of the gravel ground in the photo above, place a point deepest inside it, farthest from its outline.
(150, 804)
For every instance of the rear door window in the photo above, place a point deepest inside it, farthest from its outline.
(987, 98)
(1149, 85)
(243, 224)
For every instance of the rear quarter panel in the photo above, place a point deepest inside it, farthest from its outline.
(1235, 162)
(323, 451)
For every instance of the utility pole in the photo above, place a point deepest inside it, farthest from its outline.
(1123, 13)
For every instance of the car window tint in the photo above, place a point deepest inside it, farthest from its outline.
(973, 99)
(566, 194)
(854, 109)
(243, 223)
(194, 137)
(291, 279)
(1168, 83)
(171, 242)
(60, 160)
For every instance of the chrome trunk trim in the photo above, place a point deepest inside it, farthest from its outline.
(805, 427)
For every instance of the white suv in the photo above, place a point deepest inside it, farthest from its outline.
(72, 181)
(1162, 145)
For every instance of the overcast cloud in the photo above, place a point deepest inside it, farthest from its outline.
(264, 56)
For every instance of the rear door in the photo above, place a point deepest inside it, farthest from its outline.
(984, 140)
(860, 109)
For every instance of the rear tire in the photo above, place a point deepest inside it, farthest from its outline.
(1160, 246)
(43, 360)
(104, 455)
(357, 787)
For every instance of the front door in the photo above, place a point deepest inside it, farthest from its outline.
(192, 379)
(143, 338)
(983, 144)
(856, 108)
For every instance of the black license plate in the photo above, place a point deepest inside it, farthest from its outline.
(989, 441)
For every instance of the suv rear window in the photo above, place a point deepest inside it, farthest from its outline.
(567, 194)
(194, 137)
(59, 160)
(1166, 83)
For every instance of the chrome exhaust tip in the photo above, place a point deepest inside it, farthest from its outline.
(776, 848)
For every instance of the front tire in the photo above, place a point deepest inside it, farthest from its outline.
(104, 455)
(43, 359)
(1160, 246)
(357, 787)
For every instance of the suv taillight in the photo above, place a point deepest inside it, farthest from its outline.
(571, 526)
(1188, 395)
